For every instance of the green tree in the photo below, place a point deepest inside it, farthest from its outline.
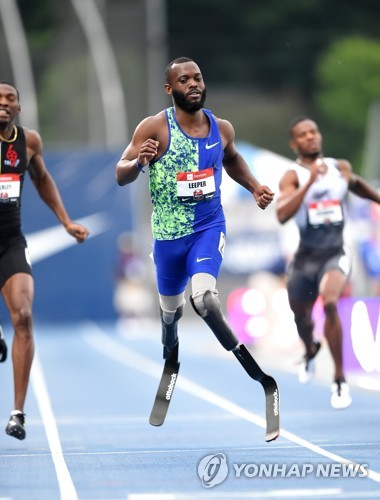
(40, 18)
(271, 45)
(349, 82)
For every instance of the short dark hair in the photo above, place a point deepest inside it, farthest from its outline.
(6, 82)
(179, 60)
(296, 121)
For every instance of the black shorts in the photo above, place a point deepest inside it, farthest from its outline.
(308, 267)
(14, 258)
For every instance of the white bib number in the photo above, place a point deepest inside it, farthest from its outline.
(325, 212)
(9, 187)
(195, 186)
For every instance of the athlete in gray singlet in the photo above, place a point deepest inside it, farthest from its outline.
(313, 193)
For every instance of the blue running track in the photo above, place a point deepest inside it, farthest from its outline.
(88, 435)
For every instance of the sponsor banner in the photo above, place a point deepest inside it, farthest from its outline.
(361, 334)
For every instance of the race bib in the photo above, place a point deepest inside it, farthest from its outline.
(325, 212)
(9, 188)
(195, 186)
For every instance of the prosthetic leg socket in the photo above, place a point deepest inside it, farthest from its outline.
(216, 320)
(170, 332)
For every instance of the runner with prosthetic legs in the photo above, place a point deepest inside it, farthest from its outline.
(185, 148)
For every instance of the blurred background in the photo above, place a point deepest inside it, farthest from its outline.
(89, 70)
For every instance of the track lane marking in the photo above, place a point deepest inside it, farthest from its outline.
(65, 482)
(103, 343)
(290, 493)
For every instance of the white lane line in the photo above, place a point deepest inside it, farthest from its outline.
(115, 350)
(66, 485)
(290, 493)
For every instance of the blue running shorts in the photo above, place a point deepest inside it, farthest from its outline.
(176, 261)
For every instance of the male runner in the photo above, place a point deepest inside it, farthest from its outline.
(313, 193)
(183, 150)
(21, 151)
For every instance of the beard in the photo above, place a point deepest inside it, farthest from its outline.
(190, 107)
(312, 156)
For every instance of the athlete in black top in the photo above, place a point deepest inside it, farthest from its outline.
(21, 151)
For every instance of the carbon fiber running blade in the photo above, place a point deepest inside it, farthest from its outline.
(272, 408)
(164, 393)
(272, 394)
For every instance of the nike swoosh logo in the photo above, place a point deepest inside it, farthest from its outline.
(209, 146)
(47, 242)
(203, 258)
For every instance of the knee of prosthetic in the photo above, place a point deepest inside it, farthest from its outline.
(206, 304)
(170, 330)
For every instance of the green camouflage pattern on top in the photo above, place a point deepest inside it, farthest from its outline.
(171, 219)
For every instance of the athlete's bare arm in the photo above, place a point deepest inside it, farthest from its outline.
(46, 186)
(291, 194)
(357, 184)
(149, 141)
(238, 169)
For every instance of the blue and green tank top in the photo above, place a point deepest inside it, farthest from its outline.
(185, 182)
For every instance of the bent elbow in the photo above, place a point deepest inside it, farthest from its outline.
(282, 218)
(119, 179)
